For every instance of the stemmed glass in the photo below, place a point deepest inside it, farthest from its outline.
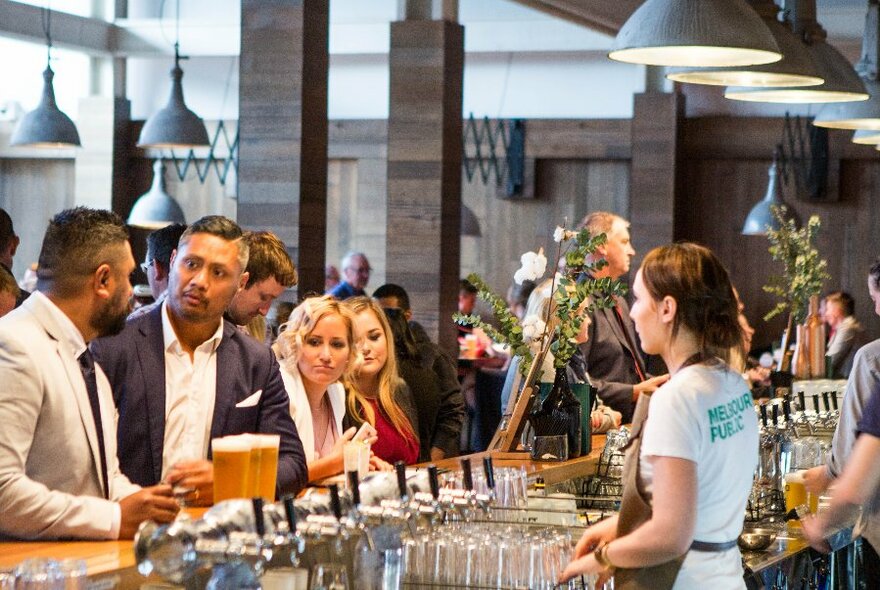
(329, 576)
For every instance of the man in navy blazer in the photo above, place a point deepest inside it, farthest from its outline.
(182, 376)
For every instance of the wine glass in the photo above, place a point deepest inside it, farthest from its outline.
(329, 576)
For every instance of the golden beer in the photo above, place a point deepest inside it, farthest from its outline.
(254, 466)
(232, 457)
(796, 494)
(268, 444)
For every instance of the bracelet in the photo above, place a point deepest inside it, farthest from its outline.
(601, 556)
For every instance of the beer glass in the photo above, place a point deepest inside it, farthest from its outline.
(269, 444)
(356, 457)
(796, 495)
(232, 457)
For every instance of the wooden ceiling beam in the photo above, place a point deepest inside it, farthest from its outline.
(604, 16)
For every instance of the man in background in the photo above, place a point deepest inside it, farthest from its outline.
(8, 245)
(356, 274)
(160, 245)
(9, 292)
(612, 353)
(59, 475)
(270, 271)
(845, 332)
(182, 376)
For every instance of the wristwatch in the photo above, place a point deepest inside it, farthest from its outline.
(601, 556)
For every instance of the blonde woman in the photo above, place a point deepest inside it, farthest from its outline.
(376, 394)
(314, 350)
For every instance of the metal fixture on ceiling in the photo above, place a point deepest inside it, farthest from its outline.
(865, 114)
(46, 126)
(156, 208)
(794, 69)
(866, 137)
(761, 217)
(695, 33)
(175, 125)
(842, 83)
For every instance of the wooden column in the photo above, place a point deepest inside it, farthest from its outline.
(424, 169)
(282, 170)
(656, 125)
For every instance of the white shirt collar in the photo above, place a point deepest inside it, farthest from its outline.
(171, 341)
(72, 337)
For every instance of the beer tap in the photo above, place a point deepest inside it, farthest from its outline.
(358, 513)
(292, 539)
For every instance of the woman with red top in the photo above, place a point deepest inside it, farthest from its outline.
(376, 393)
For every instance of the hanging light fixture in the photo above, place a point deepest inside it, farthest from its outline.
(794, 69)
(174, 126)
(156, 208)
(470, 225)
(842, 83)
(695, 33)
(866, 114)
(761, 216)
(866, 137)
(46, 126)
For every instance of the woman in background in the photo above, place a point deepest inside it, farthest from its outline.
(376, 394)
(689, 466)
(314, 350)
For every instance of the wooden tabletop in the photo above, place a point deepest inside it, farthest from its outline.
(100, 556)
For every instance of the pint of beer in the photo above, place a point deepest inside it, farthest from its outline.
(268, 446)
(231, 457)
(796, 495)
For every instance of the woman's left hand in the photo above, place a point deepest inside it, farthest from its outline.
(377, 464)
(585, 565)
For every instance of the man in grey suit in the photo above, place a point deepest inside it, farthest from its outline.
(182, 376)
(613, 358)
(59, 475)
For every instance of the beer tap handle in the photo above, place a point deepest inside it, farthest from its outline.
(354, 483)
(786, 409)
(816, 402)
(490, 472)
(467, 475)
(763, 407)
(259, 519)
(287, 500)
(434, 481)
(802, 400)
(400, 468)
(825, 401)
(834, 400)
(335, 504)
(775, 414)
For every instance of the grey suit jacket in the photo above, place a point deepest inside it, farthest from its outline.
(610, 359)
(843, 345)
(50, 475)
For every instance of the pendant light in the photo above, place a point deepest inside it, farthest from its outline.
(761, 216)
(174, 126)
(794, 69)
(695, 33)
(46, 126)
(842, 83)
(866, 114)
(470, 225)
(156, 208)
(866, 137)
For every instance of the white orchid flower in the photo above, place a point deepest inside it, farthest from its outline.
(533, 266)
(532, 327)
(560, 234)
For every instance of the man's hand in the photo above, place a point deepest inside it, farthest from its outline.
(198, 476)
(649, 385)
(153, 503)
(817, 480)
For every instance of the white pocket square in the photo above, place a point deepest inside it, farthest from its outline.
(251, 400)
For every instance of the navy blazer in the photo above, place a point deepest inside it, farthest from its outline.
(134, 361)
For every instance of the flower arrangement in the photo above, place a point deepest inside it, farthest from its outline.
(804, 270)
(574, 291)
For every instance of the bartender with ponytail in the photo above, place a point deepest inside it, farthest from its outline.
(694, 443)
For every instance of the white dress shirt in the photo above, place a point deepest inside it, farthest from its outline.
(190, 389)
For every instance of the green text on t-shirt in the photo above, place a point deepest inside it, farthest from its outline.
(726, 420)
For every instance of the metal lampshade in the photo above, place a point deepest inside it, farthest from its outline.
(46, 126)
(156, 208)
(866, 137)
(695, 33)
(174, 126)
(794, 69)
(842, 83)
(761, 216)
(853, 115)
(470, 225)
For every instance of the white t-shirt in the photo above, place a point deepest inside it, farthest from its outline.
(705, 415)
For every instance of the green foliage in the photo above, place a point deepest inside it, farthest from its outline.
(804, 271)
(575, 293)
